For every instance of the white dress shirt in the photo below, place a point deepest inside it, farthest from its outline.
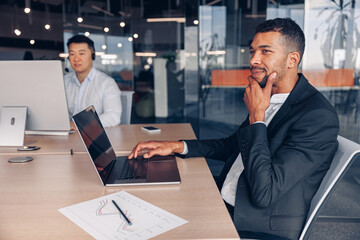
(228, 190)
(97, 89)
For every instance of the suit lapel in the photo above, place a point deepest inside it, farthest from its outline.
(299, 92)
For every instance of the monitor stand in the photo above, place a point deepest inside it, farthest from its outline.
(12, 126)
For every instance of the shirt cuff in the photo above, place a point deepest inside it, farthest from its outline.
(259, 122)
(186, 150)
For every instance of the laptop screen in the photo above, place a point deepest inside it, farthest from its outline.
(95, 139)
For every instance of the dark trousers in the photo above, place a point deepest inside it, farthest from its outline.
(248, 234)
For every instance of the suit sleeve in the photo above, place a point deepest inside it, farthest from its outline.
(219, 149)
(309, 142)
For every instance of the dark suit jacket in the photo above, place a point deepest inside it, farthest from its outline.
(284, 163)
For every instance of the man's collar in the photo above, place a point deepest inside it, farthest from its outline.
(279, 97)
(90, 76)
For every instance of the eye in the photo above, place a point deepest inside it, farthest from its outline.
(266, 51)
(252, 52)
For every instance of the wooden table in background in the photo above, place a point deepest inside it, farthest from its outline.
(123, 138)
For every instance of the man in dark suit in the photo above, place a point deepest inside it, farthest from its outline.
(275, 161)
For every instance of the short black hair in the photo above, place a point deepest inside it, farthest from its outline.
(81, 39)
(289, 29)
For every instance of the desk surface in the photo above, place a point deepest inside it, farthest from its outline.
(122, 137)
(32, 192)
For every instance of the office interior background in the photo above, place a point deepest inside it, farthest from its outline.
(187, 61)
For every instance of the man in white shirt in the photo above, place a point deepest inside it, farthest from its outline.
(88, 86)
(275, 161)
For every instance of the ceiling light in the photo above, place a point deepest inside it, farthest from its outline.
(32, 41)
(47, 26)
(145, 54)
(122, 24)
(166, 20)
(27, 8)
(196, 22)
(106, 29)
(136, 35)
(119, 45)
(99, 53)
(17, 32)
(87, 34)
(108, 56)
(212, 3)
(80, 19)
(89, 26)
(103, 46)
(130, 39)
(273, 2)
(255, 15)
(63, 55)
(216, 52)
(102, 10)
(149, 61)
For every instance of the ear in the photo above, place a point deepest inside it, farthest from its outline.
(293, 59)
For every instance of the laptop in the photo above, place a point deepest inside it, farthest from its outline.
(119, 170)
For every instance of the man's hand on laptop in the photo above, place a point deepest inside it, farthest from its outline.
(161, 148)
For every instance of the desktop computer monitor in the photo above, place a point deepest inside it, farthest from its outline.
(39, 86)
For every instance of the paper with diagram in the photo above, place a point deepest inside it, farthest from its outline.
(100, 218)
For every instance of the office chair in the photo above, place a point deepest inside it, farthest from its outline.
(126, 103)
(347, 152)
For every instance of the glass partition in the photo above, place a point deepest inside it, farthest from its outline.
(188, 61)
(226, 29)
(331, 59)
(141, 44)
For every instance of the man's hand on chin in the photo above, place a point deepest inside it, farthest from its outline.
(257, 99)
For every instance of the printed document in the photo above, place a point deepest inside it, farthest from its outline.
(102, 220)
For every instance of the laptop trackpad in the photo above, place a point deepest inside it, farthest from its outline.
(163, 171)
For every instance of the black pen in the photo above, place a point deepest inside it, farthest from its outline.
(118, 208)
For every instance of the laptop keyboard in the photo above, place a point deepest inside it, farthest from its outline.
(135, 168)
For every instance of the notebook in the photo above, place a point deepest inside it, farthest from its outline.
(118, 170)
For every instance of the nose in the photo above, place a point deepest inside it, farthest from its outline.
(76, 57)
(255, 59)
